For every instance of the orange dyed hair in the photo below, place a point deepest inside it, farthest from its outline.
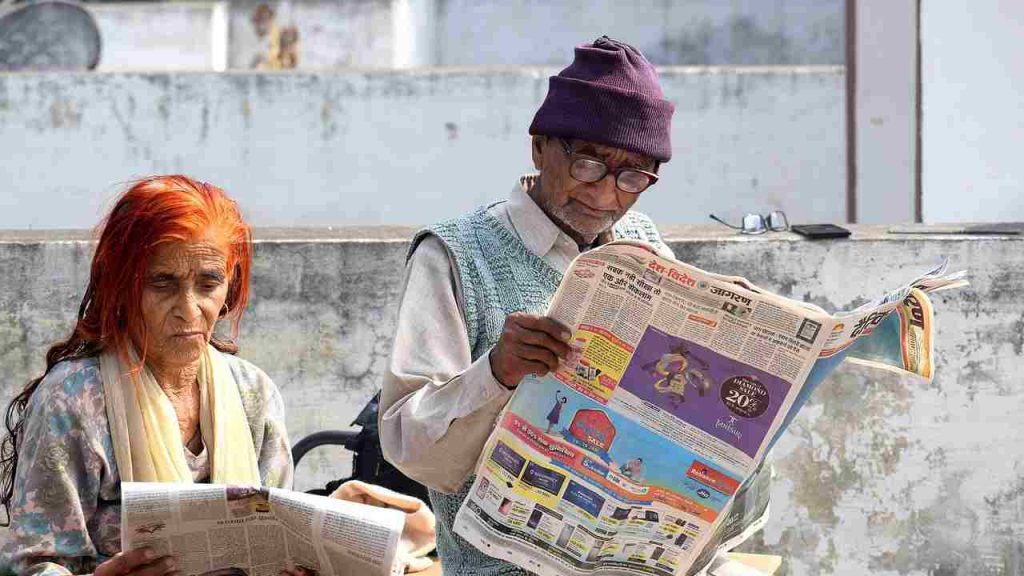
(152, 212)
(155, 211)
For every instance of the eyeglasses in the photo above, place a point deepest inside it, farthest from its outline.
(590, 170)
(775, 221)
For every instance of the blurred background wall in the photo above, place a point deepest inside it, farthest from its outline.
(405, 111)
(871, 111)
(399, 147)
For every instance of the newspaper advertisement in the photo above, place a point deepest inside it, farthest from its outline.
(216, 530)
(644, 452)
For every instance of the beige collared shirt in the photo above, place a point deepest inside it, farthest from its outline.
(437, 406)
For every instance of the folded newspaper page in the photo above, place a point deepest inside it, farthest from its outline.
(247, 531)
(644, 453)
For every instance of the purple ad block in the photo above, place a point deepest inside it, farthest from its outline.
(729, 400)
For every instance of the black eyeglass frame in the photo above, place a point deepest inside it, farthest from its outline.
(576, 157)
(765, 223)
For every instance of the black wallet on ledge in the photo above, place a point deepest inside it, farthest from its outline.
(816, 231)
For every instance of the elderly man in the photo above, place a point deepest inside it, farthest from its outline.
(470, 324)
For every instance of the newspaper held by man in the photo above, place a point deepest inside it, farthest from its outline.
(249, 531)
(643, 453)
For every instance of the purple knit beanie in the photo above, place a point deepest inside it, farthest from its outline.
(609, 95)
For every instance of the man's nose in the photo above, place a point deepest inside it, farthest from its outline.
(603, 193)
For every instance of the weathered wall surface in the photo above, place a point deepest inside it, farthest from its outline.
(332, 34)
(878, 475)
(375, 33)
(884, 475)
(359, 148)
(175, 36)
(155, 35)
(745, 32)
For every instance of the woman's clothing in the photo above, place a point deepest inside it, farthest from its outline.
(144, 426)
(198, 465)
(66, 512)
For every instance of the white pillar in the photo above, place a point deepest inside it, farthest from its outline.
(219, 32)
(973, 110)
(885, 108)
(413, 29)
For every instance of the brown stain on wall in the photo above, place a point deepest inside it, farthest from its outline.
(64, 115)
(937, 536)
(828, 465)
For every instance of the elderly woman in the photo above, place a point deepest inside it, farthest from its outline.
(142, 390)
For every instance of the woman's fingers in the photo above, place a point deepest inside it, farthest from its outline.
(138, 562)
(160, 567)
(123, 562)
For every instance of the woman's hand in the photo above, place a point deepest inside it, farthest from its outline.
(139, 562)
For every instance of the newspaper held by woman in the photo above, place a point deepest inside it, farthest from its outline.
(216, 530)
(643, 453)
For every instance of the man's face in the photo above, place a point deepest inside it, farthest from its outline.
(581, 209)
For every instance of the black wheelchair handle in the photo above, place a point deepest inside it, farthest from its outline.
(322, 438)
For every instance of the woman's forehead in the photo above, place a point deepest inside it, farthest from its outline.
(188, 255)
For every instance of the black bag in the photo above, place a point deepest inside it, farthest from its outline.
(368, 463)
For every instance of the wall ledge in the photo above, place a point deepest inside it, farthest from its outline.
(672, 233)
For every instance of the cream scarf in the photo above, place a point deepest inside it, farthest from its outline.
(144, 428)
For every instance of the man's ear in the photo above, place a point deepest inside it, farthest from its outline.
(537, 151)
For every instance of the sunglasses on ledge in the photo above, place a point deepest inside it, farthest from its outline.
(775, 221)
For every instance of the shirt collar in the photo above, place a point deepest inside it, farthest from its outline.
(537, 231)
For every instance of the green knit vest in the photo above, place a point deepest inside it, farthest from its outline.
(499, 276)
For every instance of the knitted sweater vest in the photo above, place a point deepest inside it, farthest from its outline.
(499, 276)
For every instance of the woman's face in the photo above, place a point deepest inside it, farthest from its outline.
(183, 293)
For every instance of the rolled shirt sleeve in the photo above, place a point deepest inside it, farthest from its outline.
(438, 406)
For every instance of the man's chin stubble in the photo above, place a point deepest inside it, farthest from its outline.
(587, 227)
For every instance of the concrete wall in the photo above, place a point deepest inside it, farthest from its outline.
(878, 475)
(973, 116)
(745, 32)
(160, 36)
(332, 34)
(398, 147)
(150, 35)
(205, 36)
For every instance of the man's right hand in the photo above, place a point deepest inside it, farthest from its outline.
(138, 562)
(529, 344)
